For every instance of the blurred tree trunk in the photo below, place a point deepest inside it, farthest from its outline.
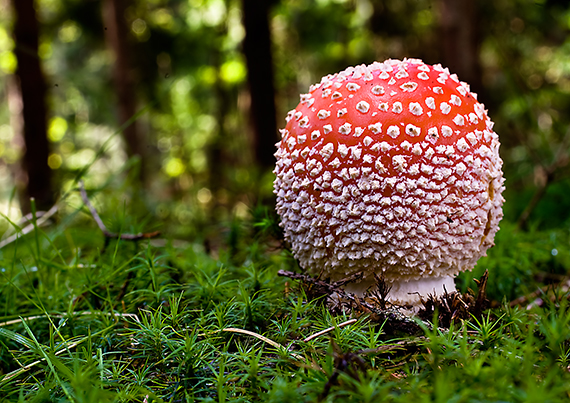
(461, 40)
(257, 51)
(117, 36)
(35, 177)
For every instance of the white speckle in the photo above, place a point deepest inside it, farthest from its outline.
(367, 141)
(393, 131)
(315, 134)
(401, 74)
(323, 114)
(416, 108)
(299, 167)
(345, 128)
(391, 181)
(442, 78)
(409, 86)
(461, 90)
(305, 152)
(379, 166)
(291, 142)
(472, 138)
(423, 76)
(363, 106)
(375, 128)
(317, 170)
(356, 152)
(449, 150)
(399, 162)
(429, 153)
(298, 115)
(459, 120)
(417, 150)
(384, 146)
(414, 169)
(433, 135)
(377, 90)
(354, 172)
(397, 107)
(352, 87)
(358, 131)
(336, 95)
(406, 145)
(460, 168)
(343, 150)
(480, 110)
(392, 82)
(400, 188)
(341, 112)
(462, 145)
(392, 93)
(301, 138)
(311, 163)
(438, 90)
(446, 131)
(335, 163)
(327, 129)
(430, 102)
(445, 108)
(473, 118)
(326, 93)
(304, 122)
(384, 75)
(337, 185)
(412, 130)
(289, 115)
(426, 169)
(383, 106)
(327, 151)
(455, 100)
(368, 159)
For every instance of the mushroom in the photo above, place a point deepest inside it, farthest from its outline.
(391, 168)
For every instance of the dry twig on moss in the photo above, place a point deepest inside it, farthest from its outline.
(103, 228)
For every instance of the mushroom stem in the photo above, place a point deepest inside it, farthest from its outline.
(407, 292)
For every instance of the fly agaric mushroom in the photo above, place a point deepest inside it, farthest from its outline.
(391, 168)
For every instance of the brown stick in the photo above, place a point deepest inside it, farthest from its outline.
(103, 228)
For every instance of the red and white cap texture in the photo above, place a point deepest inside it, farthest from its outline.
(390, 168)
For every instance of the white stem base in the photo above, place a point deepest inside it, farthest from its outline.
(408, 292)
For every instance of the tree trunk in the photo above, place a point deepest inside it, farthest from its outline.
(257, 51)
(117, 36)
(31, 88)
(460, 40)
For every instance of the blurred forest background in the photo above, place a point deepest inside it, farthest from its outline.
(170, 108)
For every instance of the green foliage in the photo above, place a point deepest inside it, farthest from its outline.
(88, 319)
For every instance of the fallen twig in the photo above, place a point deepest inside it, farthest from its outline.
(330, 329)
(30, 227)
(84, 313)
(103, 228)
(262, 338)
(564, 287)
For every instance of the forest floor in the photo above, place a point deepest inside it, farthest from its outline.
(95, 316)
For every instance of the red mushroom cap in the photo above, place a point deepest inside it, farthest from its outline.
(392, 167)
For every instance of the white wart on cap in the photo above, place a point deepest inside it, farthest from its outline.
(391, 168)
